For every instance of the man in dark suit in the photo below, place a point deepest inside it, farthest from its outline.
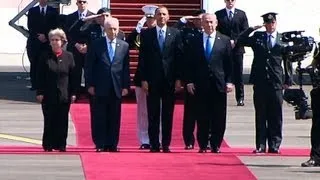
(141, 97)
(160, 55)
(94, 28)
(77, 40)
(231, 22)
(209, 78)
(41, 19)
(189, 115)
(267, 79)
(108, 79)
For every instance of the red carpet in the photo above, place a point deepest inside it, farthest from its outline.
(131, 163)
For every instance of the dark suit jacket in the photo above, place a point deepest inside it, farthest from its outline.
(156, 66)
(37, 24)
(232, 28)
(102, 74)
(219, 68)
(267, 63)
(55, 77)
(72, 28)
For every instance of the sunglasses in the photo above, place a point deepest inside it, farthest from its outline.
(82, 2)
(55, 39)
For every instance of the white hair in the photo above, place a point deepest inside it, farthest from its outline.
(111, 22)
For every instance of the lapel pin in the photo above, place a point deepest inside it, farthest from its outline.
(118, 45)
(169, 34)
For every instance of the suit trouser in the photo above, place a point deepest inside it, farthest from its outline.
(160, 101)
(238, 75)
(55, 130)
(142, 116)
(107, 114)
(315, 129)
(92, 120)
(268, 112)
(189, 118)
(212, 109)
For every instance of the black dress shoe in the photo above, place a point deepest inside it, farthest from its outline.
(166, 150)
(202, 150)
(100, 150)
(47, 149)
(154, 150)
(273, 151)
(310, 163)
(215, 150)
(114, 149)
(240, 102)
(144, 146)
(259, 151)
(189, 147)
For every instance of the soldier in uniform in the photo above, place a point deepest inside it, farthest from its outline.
(314, 160)
(133, 40)
(189, 116)
(267, 79)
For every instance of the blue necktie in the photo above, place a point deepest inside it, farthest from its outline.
(208, 48)
(269, 42)
(230, 15)
(111, 51)
(161, 39)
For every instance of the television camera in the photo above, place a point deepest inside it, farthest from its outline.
(296, 48)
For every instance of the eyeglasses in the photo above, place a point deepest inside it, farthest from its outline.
(82, 2)
(55, 39)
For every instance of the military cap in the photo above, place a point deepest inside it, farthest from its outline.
(103, 10)
(269, 17)
(149, 10)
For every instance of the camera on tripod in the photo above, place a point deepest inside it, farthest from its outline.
(295, 49)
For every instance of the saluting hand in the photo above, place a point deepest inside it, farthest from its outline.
(257, 27)
(191, 89)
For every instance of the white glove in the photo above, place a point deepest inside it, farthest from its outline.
(141, 24)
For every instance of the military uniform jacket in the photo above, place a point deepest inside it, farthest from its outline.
(267, 63)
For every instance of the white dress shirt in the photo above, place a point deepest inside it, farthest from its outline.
(273, 38)
(45, 9)
(113, 44)
(228, 11)
(83, 14)
(205, 38)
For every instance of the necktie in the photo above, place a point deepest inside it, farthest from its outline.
(269, 42)
(230, 15)
(161, 39)
(111, 51)
(208, 48)
(42, 11)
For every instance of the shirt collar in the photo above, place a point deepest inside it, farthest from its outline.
(212, 35)
(164, 28)
(232, 10)
(45, 8)
(109, 41)
(274, 34)
(84, 12)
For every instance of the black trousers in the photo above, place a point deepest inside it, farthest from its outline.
(238, 75)
(55, 130)
(212, 108)
(268, 116)
(167, 97)
(93, 125)
(189, 118)
(315, 129)
(106, 120)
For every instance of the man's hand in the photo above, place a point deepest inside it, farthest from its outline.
(191, 89)
(145, 86)
(73, 99)
(40, 98)
(125, 92)
(229, 87)
(232, 44)
(177, 86)
(257, 27)
(83, 49)
(91, 91)
(42, 38)
(285, 86)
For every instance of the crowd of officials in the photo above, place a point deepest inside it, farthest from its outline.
(202, 53)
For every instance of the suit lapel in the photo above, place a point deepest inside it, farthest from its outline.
(105, 52)
(117, 52)
(216, 44)
(167, 39)
(154, 36)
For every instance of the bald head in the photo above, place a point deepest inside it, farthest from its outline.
(209, 23)
(111, 27)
